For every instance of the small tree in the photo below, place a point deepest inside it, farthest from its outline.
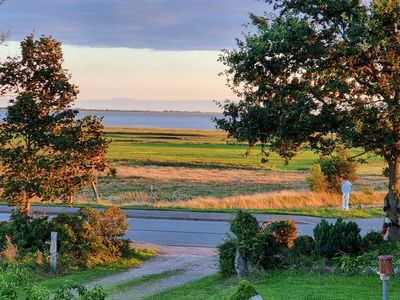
(46, 153)
(317, 180)
(338, 168)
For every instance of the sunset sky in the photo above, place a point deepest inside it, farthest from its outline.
(136, 54)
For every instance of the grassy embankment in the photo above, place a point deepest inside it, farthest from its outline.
(287, 285)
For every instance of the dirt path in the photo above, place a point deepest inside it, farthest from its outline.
(190, 263)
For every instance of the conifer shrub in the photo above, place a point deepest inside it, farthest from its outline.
(304, 245)
(331, 239)
(371, 241)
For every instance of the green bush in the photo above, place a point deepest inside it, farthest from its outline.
(337, 169)
(317, 180)
(266, 252)
(330, 239)
(90, 237)
(284, 232)
(245, 227)
(28, 233)
(371, 241)
(304, 245)
(244, 291)
(226, 257)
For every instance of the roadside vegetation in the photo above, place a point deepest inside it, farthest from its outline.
(277, 263)
(90, 243)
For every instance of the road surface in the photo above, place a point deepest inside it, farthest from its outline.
(195, 229)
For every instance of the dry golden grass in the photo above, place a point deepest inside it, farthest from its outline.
(290, 199)
(279, 200)
(210, 176)
(10, 251)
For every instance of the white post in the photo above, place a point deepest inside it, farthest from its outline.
(53, 251)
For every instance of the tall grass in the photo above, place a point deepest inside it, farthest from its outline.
(279, 200)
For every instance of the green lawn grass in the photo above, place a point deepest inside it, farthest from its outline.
(287, 285)
(201, 147)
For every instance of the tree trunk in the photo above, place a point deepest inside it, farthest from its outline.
(25, 206)
(95, 191)
(391, 228)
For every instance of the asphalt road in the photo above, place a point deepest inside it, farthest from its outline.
(198, 229)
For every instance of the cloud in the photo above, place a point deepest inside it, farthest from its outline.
(154, 24)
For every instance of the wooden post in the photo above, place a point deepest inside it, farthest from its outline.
(152, 193)
(385, 270)
(95, 191)
(53, 251)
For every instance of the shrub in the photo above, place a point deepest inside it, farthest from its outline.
(371, 241)
(330, 239)
(317, 180)
(245, 227)
(304, 245)
(245, 291)
(338, 168)
(29, 233)
(284, 232)
(266, 251)
(89, 237)
(226, 257)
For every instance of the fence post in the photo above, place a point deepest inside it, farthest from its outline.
(385, 270)
(53, 251)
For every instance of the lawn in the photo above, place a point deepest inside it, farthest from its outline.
(287, 285)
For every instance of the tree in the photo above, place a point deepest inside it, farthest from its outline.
(46, 153)
(320, 73)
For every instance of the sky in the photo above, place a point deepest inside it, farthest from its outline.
(136, 54)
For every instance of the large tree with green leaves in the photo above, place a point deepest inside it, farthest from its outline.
(321, 73)
(46, 153)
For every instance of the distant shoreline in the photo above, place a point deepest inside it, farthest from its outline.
(144, 111)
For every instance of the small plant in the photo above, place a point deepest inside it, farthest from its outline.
(330, 239)
(362, 264)
(284, 232)
(226, 257)
(317, 180)
(10, 251)
(72, 290)
(304, 245)
(244, 291)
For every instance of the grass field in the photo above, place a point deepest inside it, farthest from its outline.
(201, 169)
(282, 285)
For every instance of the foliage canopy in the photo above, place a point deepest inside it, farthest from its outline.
(46, 153)
(320, 74)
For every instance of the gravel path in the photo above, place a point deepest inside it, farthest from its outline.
(192, 262)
